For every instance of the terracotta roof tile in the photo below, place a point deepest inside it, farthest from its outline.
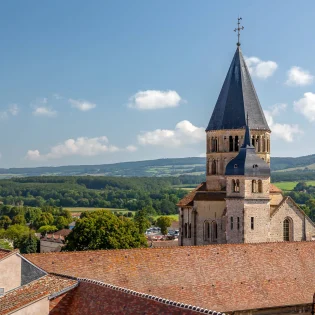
(274, 189)
(63, 232)
(36, 290)
(188, 199)
(221, 277)
(6, 253)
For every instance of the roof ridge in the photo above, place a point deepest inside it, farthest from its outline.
(143, 295)
(166, 248)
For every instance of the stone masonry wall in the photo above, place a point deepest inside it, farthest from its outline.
(303, 229)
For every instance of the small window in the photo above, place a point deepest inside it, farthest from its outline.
(255, 166)
(186, 230)
(231, 223)
(235, 166)
(1, 291)
(238, 223)
(260, 186)
(189, 231)
(252, 223)
(254, 186)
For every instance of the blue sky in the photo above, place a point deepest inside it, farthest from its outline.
(86, 82)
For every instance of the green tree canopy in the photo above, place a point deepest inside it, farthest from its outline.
(19, 219)
(47, 229)
(5, 222)
(103, 230)
(141, 220)
(29, 244)
(163, 223)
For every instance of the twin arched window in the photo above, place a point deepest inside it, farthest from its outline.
(257, 186)
(211, 231)
(235, 185)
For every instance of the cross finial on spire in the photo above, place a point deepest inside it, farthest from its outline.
(239, 29)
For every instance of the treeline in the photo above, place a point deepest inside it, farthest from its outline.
(299, 175)
(96, 191)
(304, 195)
(18, 225)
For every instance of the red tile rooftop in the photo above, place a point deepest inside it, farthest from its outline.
(221, 277)
(6, 252)
(36, 290)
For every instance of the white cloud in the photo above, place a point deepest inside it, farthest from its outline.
(58, 96)
(298, 76)
(81, 146)
(184, 133)
(12, 109)
(282, 131)
(44, 111)
(131, 148)
(154, 99)
(306, 106)
(82, 105)
(259, 68)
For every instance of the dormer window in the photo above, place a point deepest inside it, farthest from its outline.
(255, 166)
(235, 166)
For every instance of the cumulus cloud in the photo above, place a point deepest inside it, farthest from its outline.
(299, 77)
(259, 68)
(131, 148)
(44, 111)
(12, 109)
(306, 106)
(41, 108)
(82, 146)
(184, 133)
(81, 105)
(282, 131)
(154, 99)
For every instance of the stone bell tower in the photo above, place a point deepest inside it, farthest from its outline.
(226, 128)
(247, 196)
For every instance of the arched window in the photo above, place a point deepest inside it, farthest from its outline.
(260, 186)
(214, 230)
(231, 144)
(236, 144)
(207, 230)
(233, 185)
(254, 186)
(287, 230)
(214, 167)
(237, 185)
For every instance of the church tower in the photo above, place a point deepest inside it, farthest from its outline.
(247, 196)
(225, 131)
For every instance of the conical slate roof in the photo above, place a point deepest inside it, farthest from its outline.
(247, 162)
(237, 97)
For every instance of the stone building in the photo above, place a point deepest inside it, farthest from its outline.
(237, 203)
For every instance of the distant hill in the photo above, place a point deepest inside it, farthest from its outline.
(159, 168)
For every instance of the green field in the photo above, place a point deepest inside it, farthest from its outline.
(287, 186)
(174, 217)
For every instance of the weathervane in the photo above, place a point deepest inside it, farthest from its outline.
(238, 29)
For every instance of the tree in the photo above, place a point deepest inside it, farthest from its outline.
(142, 221)
(17, 233)
(46, 218)
(47, 229)
(19, 219)
(102, 229)
(61, 222)
(29, 244)
(163, 223)
(5, 221)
